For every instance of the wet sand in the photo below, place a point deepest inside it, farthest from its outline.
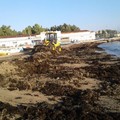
(79, 83)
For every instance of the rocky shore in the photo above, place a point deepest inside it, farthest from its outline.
(78, 84)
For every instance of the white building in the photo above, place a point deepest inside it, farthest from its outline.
(13, 45)
(82, 36)
(15, 42)
(20, 42)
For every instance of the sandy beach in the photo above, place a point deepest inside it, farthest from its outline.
(77, 84)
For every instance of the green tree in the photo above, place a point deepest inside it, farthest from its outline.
(7, 31)
(75, 28)
(1, 32)
(106, 33)
(65, 28)
(37, 29)
(19, 33)
(27, 31)
(54, 28)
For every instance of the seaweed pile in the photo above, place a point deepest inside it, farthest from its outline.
(78, 106)
(60, 75)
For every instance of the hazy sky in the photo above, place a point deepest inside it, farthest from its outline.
(87, 14)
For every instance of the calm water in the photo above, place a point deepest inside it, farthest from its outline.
(112, 48)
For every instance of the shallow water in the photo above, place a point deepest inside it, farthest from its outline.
(112, 48)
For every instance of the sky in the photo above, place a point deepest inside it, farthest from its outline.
(86, 14)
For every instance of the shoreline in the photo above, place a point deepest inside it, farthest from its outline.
(79, 82)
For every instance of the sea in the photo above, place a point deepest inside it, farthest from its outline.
(112, 48)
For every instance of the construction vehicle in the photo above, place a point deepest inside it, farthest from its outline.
(53, 41)
(3, 53)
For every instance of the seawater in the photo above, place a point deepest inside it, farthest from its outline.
(112, 48)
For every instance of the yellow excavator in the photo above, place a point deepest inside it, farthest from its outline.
(51, 41)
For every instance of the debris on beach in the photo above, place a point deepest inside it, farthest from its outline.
(78, 83)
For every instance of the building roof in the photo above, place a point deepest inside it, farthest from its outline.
(76, 32)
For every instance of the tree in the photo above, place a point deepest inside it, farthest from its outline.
(27, 31)
(106, 33)
(19, 33)
(65, 28)
(54, 28)
(75, 28)
(1, 32)
(37, 29)
(7, 31)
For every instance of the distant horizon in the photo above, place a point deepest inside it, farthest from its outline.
(90, 15)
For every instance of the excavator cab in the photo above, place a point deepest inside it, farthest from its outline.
(51, 37)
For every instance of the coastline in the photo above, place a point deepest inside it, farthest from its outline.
(80, 83)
